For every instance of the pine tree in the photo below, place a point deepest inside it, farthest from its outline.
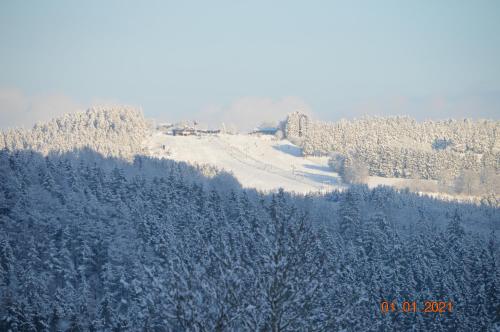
(7, 263)
(349, 217)
(54, 320)
(491, 282)
(105, 314)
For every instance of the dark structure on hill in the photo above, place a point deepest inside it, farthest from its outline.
(188, 131)
(296, 125)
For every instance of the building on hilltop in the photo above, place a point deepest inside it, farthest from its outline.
(165, 127)
(186, 131)
(264, 131)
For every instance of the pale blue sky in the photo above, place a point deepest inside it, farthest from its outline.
(190, 59)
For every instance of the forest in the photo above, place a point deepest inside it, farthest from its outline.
(463, 155)
(111, 131)
(97, 241)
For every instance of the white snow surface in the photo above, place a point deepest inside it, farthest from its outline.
(260, 162)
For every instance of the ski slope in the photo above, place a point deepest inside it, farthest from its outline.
(260, 162)
(265, 163)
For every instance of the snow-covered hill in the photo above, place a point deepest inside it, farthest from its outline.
(260, 162)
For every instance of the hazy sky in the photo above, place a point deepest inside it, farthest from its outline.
(234, 60)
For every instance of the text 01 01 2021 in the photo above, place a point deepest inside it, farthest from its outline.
(416, 307)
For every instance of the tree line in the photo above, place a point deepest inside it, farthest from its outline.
(89, 243)
(452, 151)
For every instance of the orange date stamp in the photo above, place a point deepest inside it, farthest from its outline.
(416, 307)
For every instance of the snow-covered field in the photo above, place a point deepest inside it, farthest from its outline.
(260, 162)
